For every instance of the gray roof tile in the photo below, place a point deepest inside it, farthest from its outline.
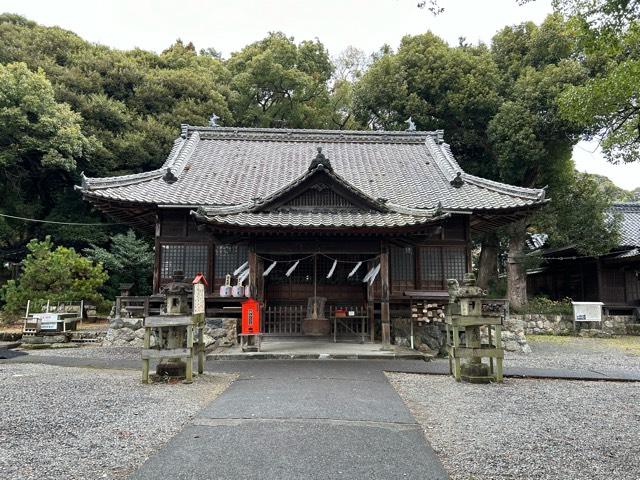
(226, 166)
(630, 225)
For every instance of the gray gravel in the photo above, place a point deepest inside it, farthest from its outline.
(600, 354)
(76, 423)
(103, 353)
(528, 429)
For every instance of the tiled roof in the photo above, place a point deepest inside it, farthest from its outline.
(325, 218)
(223, 167)
(630, 223)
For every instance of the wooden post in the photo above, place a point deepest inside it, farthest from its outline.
(156, 263)
(189, 367)
(499, 359)
(253, 270)
(371, 306)
(384, 300)
(201, 349)
(145, 361)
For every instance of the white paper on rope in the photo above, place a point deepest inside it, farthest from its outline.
(290, 271)
(244, 276)
(240, 268)
(368, 275)
(269, 268)
(355, 269)
(374, 274)
(333, 267)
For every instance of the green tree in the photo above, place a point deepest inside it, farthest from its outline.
(129, 259)
(41, 143)
(579, 216)
(607, 105)
(281, 84)
(58, 274)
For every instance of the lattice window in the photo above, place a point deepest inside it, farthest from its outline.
(402, 264)
(455, 262)
(189, 259)
(228, 258)
(431, 267)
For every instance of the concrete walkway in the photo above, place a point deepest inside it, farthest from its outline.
(300, 419)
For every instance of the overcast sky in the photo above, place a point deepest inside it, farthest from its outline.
(229, 25)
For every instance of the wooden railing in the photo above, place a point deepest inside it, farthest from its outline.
(350, 325)
(283, 319)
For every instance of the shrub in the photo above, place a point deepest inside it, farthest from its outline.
(58, 274)
(128, 260)
(544, 305)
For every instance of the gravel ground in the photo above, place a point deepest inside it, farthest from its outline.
(76, 423)
(102, 353)
(601, 354)
(528, 429)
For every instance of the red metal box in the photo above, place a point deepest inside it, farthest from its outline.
(250, 316)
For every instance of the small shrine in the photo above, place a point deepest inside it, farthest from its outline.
(465, 319)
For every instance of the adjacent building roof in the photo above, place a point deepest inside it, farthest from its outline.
(630, 223)
(404, 178)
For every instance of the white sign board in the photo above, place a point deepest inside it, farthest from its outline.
(587, 311)
(48, 321)
(198, 298)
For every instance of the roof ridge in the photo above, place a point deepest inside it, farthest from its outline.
(301, 134)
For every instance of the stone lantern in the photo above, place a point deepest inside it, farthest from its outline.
(465, 315)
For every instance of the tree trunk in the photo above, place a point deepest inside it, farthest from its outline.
(516, 272)
(488, 263)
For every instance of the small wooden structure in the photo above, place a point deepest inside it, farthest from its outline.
(466, 315)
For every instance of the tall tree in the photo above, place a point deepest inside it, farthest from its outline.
(41, 142)
(281, 84)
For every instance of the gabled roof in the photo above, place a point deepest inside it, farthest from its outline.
(230, 171)
(630, 223)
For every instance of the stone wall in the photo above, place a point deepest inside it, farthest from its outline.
(545, 324)
(430, 337)
(128, 332)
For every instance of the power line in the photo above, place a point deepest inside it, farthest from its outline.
(60, 223)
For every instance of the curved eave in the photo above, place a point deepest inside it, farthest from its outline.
(487, 220)
(141, 216)
(206, 221)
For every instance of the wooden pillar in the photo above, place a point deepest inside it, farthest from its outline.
(253, 270)
(384, 297)
(156, 263)
(371, 305)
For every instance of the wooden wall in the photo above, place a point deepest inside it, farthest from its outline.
(422, 261)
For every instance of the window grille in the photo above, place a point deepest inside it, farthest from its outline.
(228, 258)
(189, 259)
(455, 263)
(402, 264)
(438, 264)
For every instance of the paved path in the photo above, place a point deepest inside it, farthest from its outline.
(300, 419)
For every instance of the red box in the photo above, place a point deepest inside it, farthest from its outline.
(250, 317)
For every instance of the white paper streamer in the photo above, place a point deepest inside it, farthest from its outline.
(243, 277)
(374, 274)
(290, 271)
(269, 268)
(240, 268)
(368, 275)
(333, 267)
(355, 269)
